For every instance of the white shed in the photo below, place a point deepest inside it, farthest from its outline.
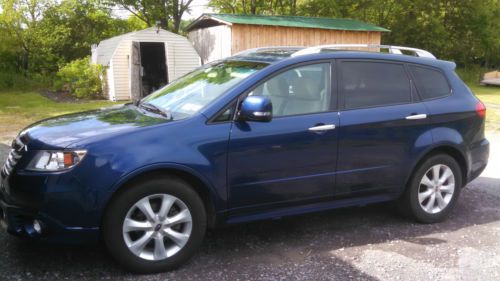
(140, 62)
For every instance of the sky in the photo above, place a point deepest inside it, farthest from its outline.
(198, 7)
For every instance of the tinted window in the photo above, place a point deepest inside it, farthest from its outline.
(300, 90)
(430, 83)
(368, 84)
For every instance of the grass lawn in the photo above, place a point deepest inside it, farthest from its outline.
(19, 109)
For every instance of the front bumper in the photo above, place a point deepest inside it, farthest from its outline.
(50, 206)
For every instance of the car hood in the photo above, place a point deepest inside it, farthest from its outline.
(64, 130)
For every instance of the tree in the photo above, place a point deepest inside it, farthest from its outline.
(78, 25)
(20, 21)
(466, 31)
(167, 12)
(40, 35)
(255, 7)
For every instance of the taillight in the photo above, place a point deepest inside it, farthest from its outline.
(480, 109)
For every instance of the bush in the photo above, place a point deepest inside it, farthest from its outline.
(472, 74)
(80, 78)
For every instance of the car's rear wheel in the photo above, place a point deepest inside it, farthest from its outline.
(155, 225)
(434, 189)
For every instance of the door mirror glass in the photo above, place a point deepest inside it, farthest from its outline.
(256, 108)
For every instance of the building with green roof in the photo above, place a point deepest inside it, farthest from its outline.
(216, 36)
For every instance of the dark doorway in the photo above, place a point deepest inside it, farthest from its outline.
(154, 67)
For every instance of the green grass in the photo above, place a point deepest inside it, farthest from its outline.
(19, 109)
(488, 94)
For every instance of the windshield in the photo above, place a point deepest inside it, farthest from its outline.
(191, 93)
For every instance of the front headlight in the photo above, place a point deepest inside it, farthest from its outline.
(56, 160)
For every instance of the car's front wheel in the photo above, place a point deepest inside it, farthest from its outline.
(155, 225)
(434, 189)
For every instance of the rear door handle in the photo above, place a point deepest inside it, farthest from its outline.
(416, 117)
(322, 128)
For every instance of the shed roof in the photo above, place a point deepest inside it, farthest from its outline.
(289, 21)
(107, 47)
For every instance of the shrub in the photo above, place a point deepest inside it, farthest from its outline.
(80, 78)
(472, 74)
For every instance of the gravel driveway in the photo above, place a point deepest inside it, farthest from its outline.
(365, 243)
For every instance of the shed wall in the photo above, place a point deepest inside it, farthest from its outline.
(212, 43)
(246, 37)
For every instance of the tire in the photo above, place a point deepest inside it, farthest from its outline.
(417, 201)
(154, 227)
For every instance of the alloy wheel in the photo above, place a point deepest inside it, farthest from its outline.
(436, 189)
(157, 227)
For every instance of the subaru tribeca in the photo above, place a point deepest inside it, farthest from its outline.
(267, 133)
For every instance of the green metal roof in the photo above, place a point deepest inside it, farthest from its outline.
(293, 21)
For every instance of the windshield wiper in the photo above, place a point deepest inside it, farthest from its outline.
(156, 109)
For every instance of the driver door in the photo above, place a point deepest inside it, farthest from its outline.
(292, 158)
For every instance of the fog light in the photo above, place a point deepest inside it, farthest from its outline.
(3, 219)
(34, 228)
(37, 226)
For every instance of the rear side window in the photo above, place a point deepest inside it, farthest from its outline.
(370, 84)
(431, 83)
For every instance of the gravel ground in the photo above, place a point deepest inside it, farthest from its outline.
(364, 243)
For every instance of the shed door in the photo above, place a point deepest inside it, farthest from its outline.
(135, 72)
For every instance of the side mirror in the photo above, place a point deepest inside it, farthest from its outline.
(256, 108)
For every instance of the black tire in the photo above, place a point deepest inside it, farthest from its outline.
(119, 207)
(409, 203)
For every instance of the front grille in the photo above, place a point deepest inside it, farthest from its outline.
(17, 150)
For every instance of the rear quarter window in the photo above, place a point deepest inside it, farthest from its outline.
(374, 84)
(431, 84)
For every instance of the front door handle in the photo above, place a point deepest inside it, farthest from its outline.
(416, 117)
(322, 128)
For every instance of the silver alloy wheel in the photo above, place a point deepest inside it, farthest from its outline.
(157, 227)
(436, 189)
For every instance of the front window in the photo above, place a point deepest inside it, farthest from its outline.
(301, 90)
(191, 93)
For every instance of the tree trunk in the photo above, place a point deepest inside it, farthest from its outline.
(253, 7)
(244, 6)
(293, 7)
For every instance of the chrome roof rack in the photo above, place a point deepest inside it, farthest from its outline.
(391, 49)
(271, 49)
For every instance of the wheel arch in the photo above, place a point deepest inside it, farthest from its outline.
(200, 185)
(445, 148)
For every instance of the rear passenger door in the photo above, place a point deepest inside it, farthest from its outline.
(381, 125)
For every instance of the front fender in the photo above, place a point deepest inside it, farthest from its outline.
(215, 197)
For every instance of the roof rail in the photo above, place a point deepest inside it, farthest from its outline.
(391, 49)
(269, 49)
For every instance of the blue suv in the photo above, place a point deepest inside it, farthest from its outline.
(264, 134)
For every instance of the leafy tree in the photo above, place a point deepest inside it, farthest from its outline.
(167, 12)
(254, 7)
(77, 25)
(20, 20)
(40, 35)
(466, 31)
